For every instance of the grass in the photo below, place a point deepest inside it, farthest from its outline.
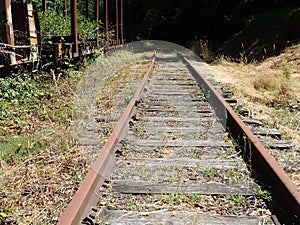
(174, 199)
(239, 199)
(37, 148)
(270, 89)
(201, 48)
(16, 148)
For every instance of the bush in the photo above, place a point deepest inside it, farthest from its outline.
(266, 82)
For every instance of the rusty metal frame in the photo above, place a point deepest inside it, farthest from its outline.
(7, 30)
(25, 47)
(264, 167)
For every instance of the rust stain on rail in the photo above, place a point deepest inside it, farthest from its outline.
(86, 196)
(269, 172)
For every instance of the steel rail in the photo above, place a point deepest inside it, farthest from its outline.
(264, 166)
(86, 195)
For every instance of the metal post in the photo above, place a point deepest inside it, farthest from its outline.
(44, 5)
(122, 23)
(6, 28)
(96, 18)
(96, 10)
(106, 20)
(117, 22)
(74, 29)
(86, 9)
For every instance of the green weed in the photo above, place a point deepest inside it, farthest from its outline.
(180, 198)
(265, 194)
(18, 147)
(286, 71)
(239, 199)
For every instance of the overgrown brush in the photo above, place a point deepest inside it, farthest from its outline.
(201, 48)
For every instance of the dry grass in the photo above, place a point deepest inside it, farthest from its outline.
(40, 165)
(269, 89)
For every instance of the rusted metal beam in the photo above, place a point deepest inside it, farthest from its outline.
(6, 30)
(86, 9)
(9, 23)
(96, 10)
(96, 18)
(44, 5)
(122, 22)
(117, 22)
(106, 20)
(74, 28)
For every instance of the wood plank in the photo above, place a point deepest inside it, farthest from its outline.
(186, 162)
(118, 217)
(182, 143)
(142, 187)
(201, 110)
(281, 145)
(159, 130)
(177, 98)
(175, 119)
(274, 133)
(176, 103)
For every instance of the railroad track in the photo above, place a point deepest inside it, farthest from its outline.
(179, 155)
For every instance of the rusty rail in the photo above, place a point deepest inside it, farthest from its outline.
(86, 196)
(264, 166)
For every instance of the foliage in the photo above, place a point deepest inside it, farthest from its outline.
(88, 29)
(224, 23)
(20, 90)
(201, 48)
(55, 24)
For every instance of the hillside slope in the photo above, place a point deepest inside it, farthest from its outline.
(269, 89)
